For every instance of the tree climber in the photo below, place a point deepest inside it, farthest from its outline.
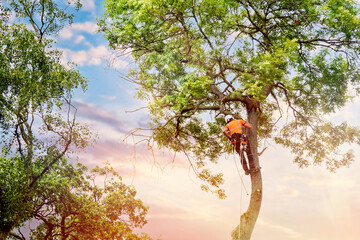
(236, 136)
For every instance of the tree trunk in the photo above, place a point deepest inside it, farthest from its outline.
(248, 219)
(5, 231)
(3, 234)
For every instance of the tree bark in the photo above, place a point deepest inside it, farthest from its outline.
(248, 219)
(5, 231)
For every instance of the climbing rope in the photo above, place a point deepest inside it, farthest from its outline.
(241, 189)
(239, 173)
(242, 186)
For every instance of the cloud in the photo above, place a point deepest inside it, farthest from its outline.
(88, 5)
(132, 161)
(113, 125)
(101, 116)
(123, 153)
(79, 39)
(109, 98)
(94, 56)
(116, 62)
(69, 31)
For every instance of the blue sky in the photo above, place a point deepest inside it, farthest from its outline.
(306, 204)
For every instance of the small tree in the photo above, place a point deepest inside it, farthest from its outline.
(72, 203)
(37, 120)
(243, 58)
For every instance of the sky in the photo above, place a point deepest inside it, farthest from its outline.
(299, 204)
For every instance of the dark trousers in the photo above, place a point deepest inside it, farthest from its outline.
(239, 140)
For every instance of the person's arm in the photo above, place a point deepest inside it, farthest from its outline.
(246, 124)
(225, 132)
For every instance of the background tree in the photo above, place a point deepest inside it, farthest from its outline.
(70, 203)
(37, 120)
(243, 58)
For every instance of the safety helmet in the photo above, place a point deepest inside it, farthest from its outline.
(228, 118)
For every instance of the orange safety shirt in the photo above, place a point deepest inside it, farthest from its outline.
(235, 126)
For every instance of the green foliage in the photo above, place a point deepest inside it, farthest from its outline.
(37, 119)
(13, 184)
(72, 203)
(32, 77)
(45, 16)
(320, 143)
(237, 57)
(33, 80)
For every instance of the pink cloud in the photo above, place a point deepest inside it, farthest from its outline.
(102, 117)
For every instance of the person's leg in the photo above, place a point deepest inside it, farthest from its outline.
(242, 156)
(237, 147)
(236, 140)
(244, 163)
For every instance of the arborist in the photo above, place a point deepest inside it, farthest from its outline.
(233, 130)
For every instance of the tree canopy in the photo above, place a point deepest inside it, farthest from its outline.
(37, 119)
(298, 59)
(74, 203)
(39, 130)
